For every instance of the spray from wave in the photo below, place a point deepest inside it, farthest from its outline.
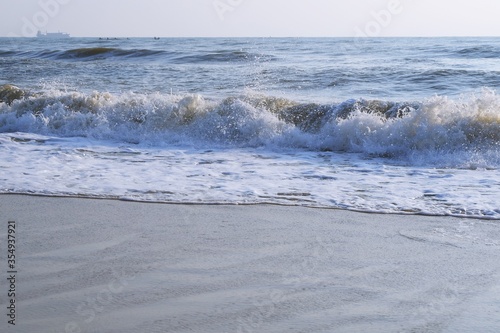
(460, 132)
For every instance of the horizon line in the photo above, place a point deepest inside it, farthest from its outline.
(362, 37)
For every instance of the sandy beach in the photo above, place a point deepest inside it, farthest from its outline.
(87, 265)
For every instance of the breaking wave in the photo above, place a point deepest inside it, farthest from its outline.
(466, 129)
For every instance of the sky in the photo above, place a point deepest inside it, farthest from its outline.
(251, 18)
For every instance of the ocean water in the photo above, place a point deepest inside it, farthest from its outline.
(389, 125)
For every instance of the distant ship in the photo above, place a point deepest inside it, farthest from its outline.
(52, 34)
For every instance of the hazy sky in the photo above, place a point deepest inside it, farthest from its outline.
(136, 18)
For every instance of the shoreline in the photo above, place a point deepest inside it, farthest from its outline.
(125, 266)
(243, 204)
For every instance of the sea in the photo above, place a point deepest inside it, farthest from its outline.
(381, 125)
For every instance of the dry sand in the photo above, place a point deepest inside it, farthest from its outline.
(89, 265)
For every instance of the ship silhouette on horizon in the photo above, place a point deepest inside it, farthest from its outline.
(52, 34)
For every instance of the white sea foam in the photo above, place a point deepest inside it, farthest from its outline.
(467, 126)
(74, 166)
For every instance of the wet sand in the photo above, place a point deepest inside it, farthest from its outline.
(87, 265)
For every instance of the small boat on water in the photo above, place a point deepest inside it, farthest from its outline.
(52, 34)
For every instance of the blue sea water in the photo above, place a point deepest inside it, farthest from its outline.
(392, 125)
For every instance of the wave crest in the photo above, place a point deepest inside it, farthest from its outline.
(9, 93)
(385, 128)
(113, 53)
